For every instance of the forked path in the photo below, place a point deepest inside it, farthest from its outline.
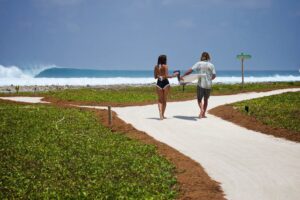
(248, 164)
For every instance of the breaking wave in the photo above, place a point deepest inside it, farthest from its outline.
(52, 75)
(18, 72)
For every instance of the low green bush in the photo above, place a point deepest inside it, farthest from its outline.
(148, 93)
(49, 152)
(281, 110)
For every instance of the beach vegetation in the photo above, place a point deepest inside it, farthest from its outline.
(48, 152)
(147, 94)
(130, 95)
(278, 111)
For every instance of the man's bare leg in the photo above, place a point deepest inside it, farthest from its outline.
(201, 108)
(204, 107)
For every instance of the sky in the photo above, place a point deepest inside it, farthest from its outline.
(131, 34)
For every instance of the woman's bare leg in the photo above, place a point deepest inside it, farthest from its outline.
(160, 94)
(165, 97)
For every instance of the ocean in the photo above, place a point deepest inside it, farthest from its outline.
(53, 75)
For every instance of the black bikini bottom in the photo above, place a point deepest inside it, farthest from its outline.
(162, 83)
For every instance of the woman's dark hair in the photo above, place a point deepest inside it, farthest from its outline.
(162, 60)
(205, 56)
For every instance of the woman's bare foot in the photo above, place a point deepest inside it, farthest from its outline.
(201, 115)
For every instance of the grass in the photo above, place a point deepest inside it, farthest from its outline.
(148, 95)
(114, 95)
(225, 89)
(282, 111)
(48, 152)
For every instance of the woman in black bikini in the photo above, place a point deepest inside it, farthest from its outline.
(162, 86)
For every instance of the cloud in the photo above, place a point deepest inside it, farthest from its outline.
(141, 4)
(253, 4)
(72, 27)
(60, 3)
(185, 23)
(248, 4)
(169, 2)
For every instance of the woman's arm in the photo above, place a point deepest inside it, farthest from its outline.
(167, 73)
(155, 72)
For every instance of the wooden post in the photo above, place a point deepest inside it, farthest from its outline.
(243, 72)
(243, 57)
(109, 116)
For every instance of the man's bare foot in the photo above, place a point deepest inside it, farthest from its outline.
(161, 117)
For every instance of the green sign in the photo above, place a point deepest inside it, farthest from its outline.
(243, 56)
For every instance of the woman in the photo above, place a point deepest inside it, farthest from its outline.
(162, 85)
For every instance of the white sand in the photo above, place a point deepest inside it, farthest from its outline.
(248, 164)
(25, 99)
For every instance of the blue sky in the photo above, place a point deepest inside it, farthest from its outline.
(130, 34)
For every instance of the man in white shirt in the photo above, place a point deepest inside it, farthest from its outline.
(204, 66)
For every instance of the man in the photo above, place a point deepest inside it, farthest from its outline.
(204, 83)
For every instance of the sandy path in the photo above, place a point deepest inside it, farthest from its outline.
(25, 99)
(248, 164)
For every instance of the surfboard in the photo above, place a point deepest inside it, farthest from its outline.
(192, 77)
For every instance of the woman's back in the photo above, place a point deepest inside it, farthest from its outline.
(161, 71)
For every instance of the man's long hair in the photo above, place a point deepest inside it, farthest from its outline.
(205, 56)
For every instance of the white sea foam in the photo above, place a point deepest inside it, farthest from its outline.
(75, 81)
(13, 75)
(17, 72)
(12, 72)
(129, 81)
(252, 79)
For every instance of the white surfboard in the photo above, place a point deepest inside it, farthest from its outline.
(192, 77)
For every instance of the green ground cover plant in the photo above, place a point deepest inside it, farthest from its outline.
(65, 153)
(147, 94)
(224, 89)
(115, 95)
(282, 111)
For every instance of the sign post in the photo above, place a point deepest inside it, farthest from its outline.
(243, 57)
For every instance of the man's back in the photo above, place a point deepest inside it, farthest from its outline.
(205, 67)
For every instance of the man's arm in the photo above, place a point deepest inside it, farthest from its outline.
(213, 77)
(213, 73)
(189, 71)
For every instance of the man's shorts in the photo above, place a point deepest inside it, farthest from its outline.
(201, 92)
